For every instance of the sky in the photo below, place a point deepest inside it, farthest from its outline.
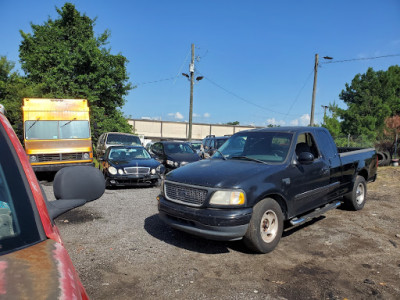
(256, 57)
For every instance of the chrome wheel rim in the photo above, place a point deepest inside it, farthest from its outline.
(269, 226)
(360, 193)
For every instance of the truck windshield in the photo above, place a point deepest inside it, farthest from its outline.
(123, 139)
(270, 147)
(52, 130)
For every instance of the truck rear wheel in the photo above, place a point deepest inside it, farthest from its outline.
(355, 200)
(266, 226)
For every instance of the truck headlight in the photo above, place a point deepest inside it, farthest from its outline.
(33, 158)
(228, 198)
(85, 156)
(112, 170)
(120, 172)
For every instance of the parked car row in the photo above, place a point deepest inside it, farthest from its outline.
(125, 162)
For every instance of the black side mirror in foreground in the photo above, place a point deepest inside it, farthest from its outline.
(73, 187)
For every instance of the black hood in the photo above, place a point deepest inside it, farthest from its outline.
(151, 163)
(179, 157)
(221, 173)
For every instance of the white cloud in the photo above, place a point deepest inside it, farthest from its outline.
(206, 115)
(275, 122)
(304, 120)
(176, 115)
(196, 115)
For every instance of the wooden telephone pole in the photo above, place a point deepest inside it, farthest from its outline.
(191, 72)
(314, 90)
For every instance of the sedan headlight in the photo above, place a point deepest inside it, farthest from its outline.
(153, 171)
(112, 170)
(228, 198)
(120, 172)
(170, 162)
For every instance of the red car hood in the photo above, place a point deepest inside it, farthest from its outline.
(42, 271)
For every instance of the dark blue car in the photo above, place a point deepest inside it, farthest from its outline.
(129, 166)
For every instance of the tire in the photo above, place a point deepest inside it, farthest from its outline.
(381, 158)
(388, 158)
(266, 226)
(355, 200)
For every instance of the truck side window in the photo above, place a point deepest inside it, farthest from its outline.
(306, 143)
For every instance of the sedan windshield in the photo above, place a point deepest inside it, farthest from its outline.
(174, 148)
(128, 154)
(270, 147)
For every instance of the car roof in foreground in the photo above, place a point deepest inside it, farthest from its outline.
(291, 129)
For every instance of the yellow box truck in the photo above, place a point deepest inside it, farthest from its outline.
(57, 133)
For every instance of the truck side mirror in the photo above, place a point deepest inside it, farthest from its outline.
(305, 158)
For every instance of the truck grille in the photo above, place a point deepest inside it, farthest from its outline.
(187, 194)
(137, 170)
(59, 157)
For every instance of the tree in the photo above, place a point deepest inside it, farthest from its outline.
(13, 87)
(233, 123)
(370, 99)
(65, 59)
(392, 131)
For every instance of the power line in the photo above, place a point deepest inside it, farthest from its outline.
(155, 81)
(243, 99)
(298, 95)
(355, 59)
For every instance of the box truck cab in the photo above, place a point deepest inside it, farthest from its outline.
(57, 133)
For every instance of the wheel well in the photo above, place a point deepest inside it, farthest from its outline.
(364, 174)
(281, 201)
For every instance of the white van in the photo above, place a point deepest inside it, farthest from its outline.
(115, 138)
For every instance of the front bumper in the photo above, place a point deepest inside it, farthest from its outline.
(209, 223)
(131, 180)
(57, 167)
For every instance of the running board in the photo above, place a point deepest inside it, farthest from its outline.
(314, 214)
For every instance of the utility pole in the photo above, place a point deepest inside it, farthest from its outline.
(314, 90)
(324, 107)
(191, 72)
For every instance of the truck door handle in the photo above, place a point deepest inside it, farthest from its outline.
(325, 171)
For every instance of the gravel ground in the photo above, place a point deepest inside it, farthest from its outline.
(122, 250)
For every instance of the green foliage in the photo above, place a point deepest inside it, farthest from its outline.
(371, 98)
(64, 59)
(13, 88)
(233, 123)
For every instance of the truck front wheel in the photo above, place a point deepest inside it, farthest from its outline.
(266, 226)
(355, 200)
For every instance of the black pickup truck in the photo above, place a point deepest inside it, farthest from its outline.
(261, 178)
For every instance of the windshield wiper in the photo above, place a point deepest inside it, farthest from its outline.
(33, 124)
(68, 122)
(249, 158)
(223, 157)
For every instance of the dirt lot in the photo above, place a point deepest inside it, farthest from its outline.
(123, 251)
